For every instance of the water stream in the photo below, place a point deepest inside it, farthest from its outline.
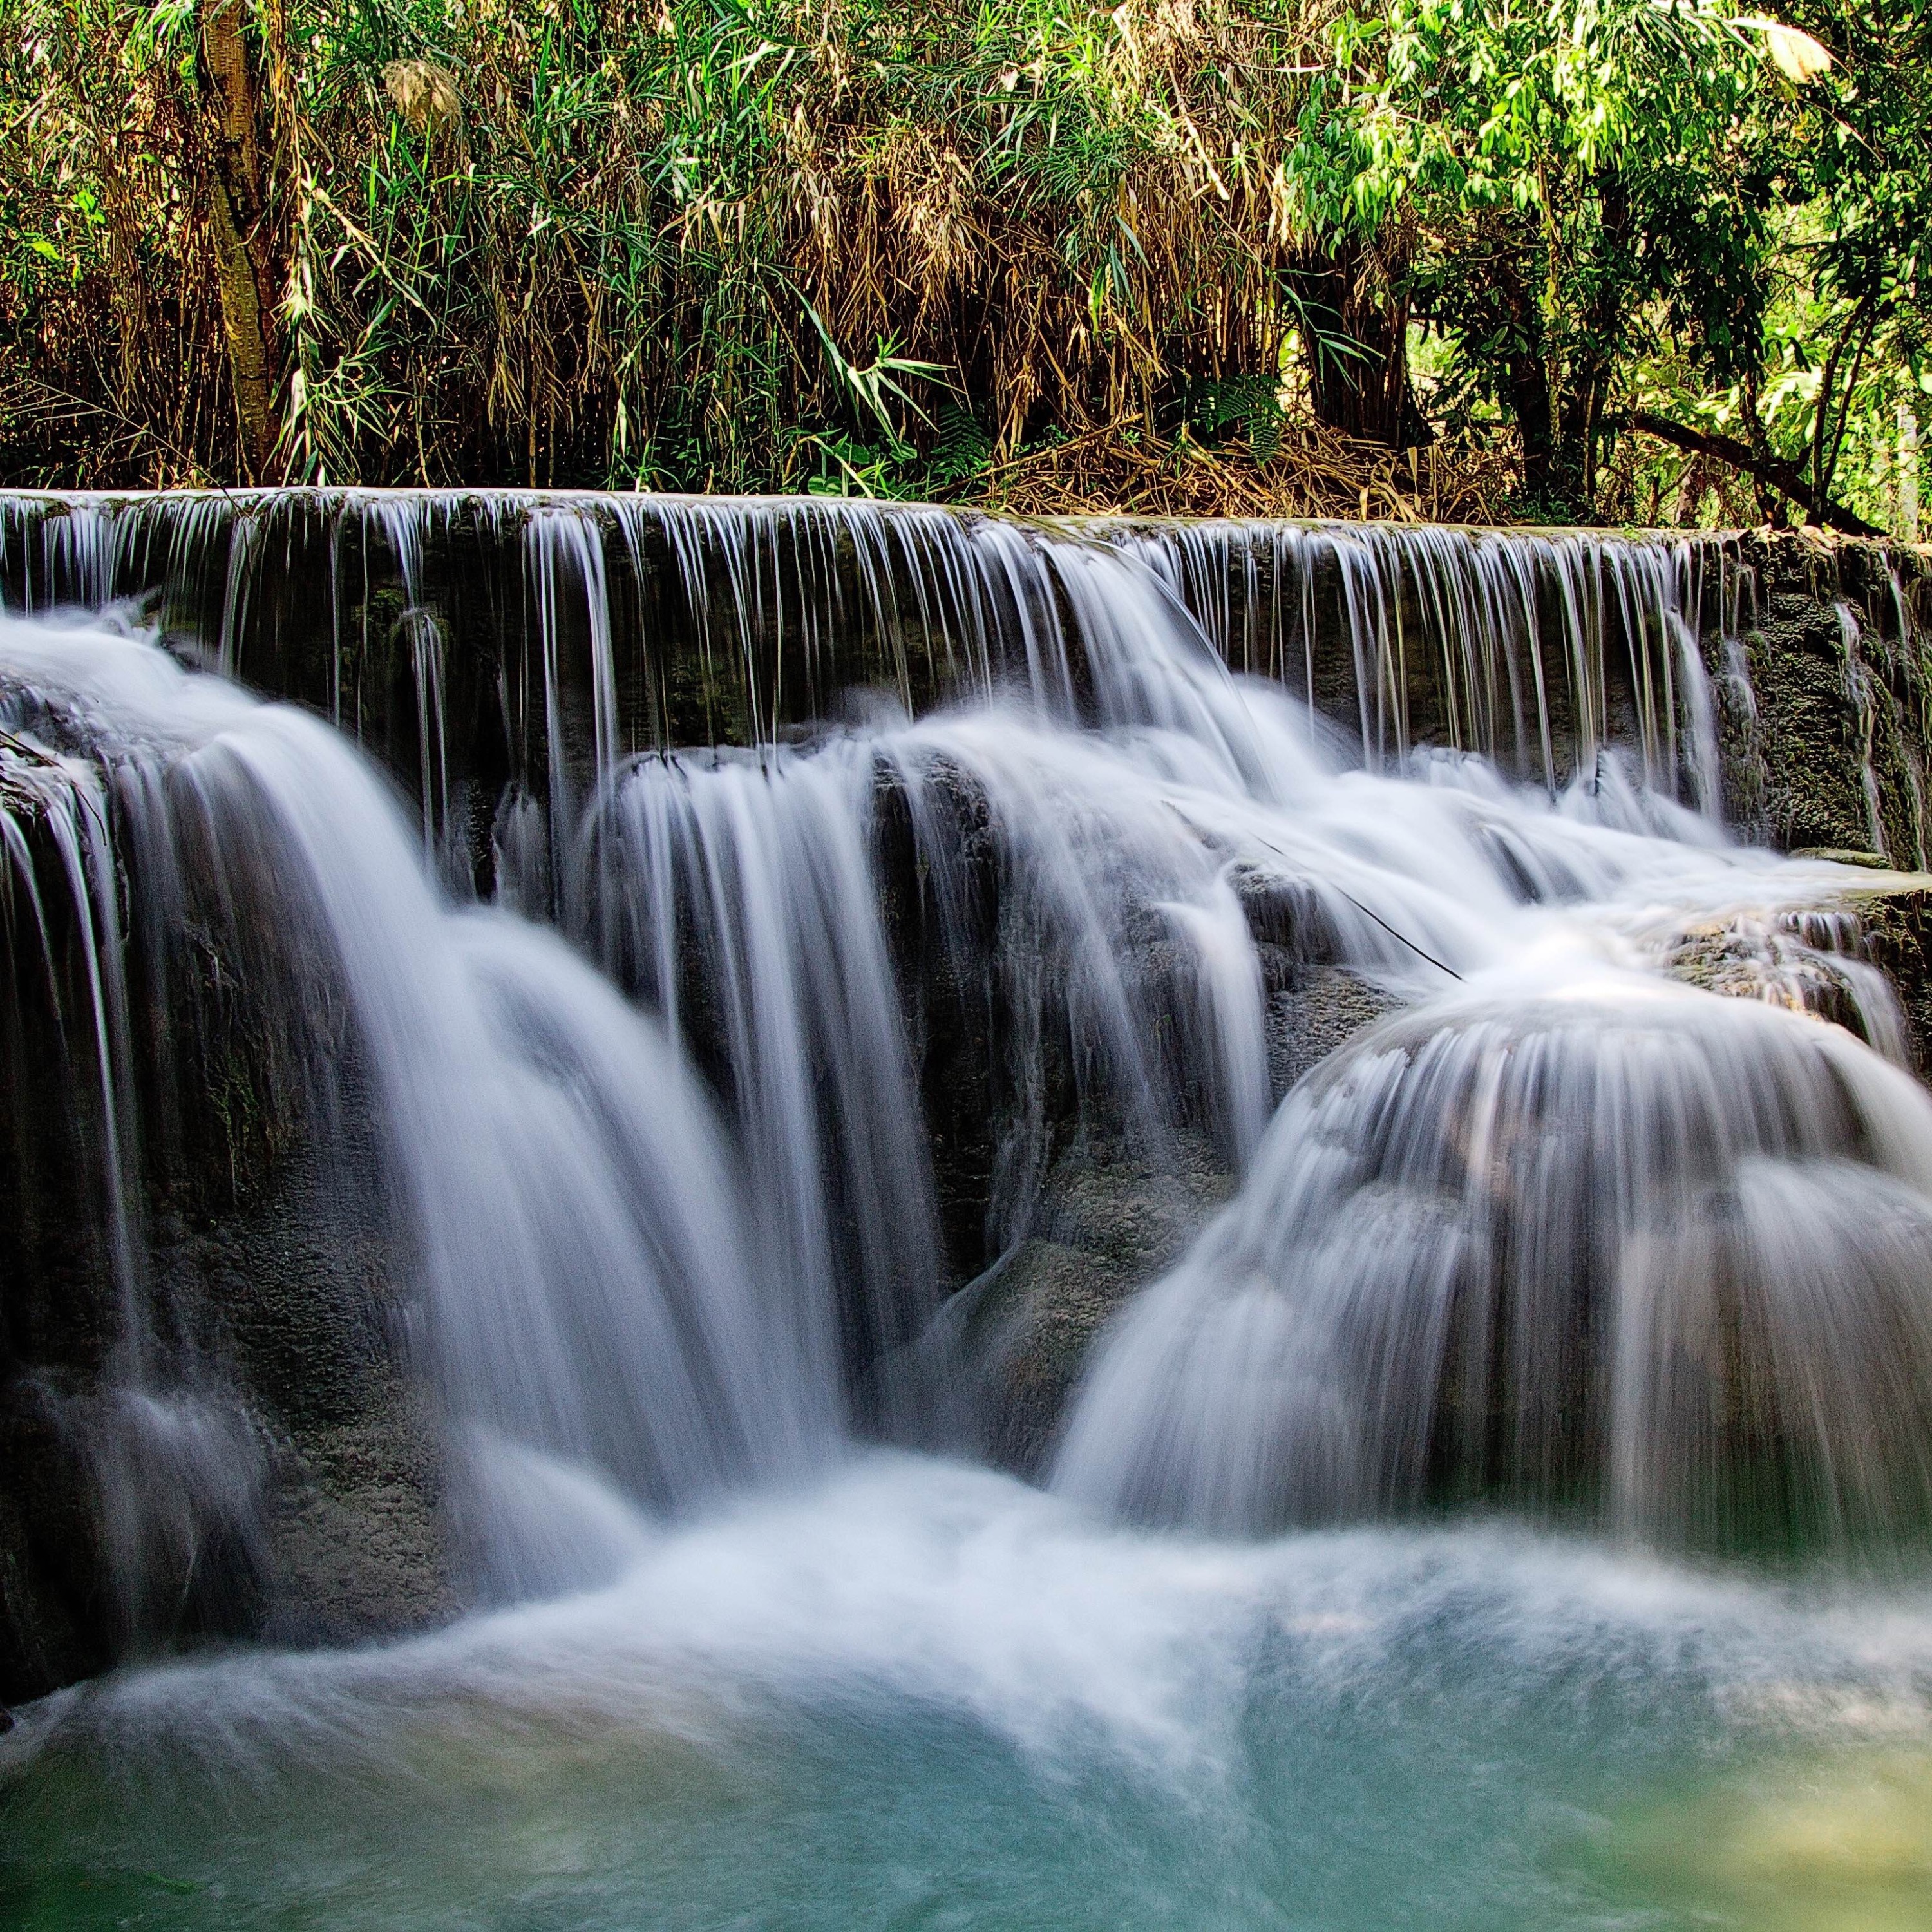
(1508, 1510)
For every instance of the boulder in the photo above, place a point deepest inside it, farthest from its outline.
(1111, 1221)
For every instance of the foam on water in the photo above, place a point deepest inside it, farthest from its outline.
(908, 1578)
(916, 1673)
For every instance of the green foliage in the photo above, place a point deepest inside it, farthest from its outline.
(1578, 177)
(848, 246)
(1248, 404)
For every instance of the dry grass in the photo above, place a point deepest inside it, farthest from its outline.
(1316, 474)
(535, 242)
(1032, 255)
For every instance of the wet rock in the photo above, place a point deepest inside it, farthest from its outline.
(51, 1632)
(1875, 862)
(1860, 956)
(358, 1545)
(1285, 912)
(1759, 958)
(1320, 1009)
(224, 1447)
(340, 1537)
(1110, 1223)
(1823, 696)
(1894, 919)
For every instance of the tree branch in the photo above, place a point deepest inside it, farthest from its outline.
(1780, 476)
(1837, 443)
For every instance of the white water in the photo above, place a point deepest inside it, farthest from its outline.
(572, 1204)
(1535, 649)
(1521, 1234)
(1563, 1235)
(923, 1693)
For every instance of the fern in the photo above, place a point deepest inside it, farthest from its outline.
(961, 448)
(1216, 404)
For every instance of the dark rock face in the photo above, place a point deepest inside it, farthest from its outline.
(1824, 696)
(208, 1429)
(304, 1503)
(358, 1546)
(303, 1292)
(311, 1513)
(1895, 922)
(1321, 1008)
(47, 1557)
(293, 1480)
(1109, 1224)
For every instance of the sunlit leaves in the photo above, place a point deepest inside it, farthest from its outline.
(1795, 54)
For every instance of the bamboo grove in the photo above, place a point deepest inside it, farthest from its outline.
(1635, 260)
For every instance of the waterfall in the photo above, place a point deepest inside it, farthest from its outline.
(1606, 1245)
(790, 895)
(1491, 641)
(738, 898)
(570, 1201)
(742, 619)
(710, 1201)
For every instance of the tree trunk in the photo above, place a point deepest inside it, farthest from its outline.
(238, 224)
(1527, 392)
(1529, 404)
(1355, 339)
(1779, 475)
(1591, 376)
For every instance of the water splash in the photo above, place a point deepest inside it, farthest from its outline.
(570, 1199)
(1605, 1246)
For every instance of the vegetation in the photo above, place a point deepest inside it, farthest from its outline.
(1636, 260)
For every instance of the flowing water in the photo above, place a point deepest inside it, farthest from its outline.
(1507, 1511)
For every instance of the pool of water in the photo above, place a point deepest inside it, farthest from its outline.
(922, 1695)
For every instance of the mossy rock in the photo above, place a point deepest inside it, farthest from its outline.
(1894, 915)
(1110, 1223)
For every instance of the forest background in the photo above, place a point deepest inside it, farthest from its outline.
(1637, 261)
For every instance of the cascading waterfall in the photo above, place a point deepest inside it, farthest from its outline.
(745, 891)
(742, 619)
(706, 952)
(571, 1204)
(1472, 613)
(1590, 1241)
(1102, 869)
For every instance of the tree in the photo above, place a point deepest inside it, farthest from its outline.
(1351, 302)
(1580, 175)
(239, 225)
(1864, 156)
(656, 241)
